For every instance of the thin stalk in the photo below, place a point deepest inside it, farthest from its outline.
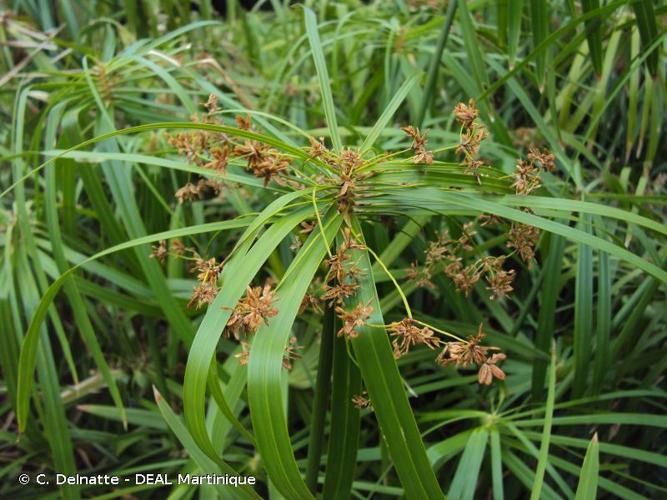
(435, 62)
(321, 401)
(156, 359)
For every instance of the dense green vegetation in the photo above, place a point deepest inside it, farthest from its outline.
(353, 250)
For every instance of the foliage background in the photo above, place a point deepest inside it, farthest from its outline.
(584, 79)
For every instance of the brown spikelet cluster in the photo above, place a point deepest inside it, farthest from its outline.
(255, 308)
(361, 401)
(213, 151)
(341, 285)
(422, 154)
(191, 192)
(447, 254)
(264, 161)
(353, 319)
(521, 237)
(342, 280)
(291, 353)
(244, 355)
(160, 251)
(463, 354)
(105, 81)
(345, 168)
(544, 158)
(251, 311)
(347, 171)
(313, 298)
(317, 148)
(471, 136)
(407, 333)
(198, 145)
(207, 271)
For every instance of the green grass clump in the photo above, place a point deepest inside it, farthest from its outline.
(350, 249)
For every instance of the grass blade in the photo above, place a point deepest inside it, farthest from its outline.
(323, 76)
(546, 432)
(588, 478)
(385, 388)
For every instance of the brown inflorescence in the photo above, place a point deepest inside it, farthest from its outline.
(361, 401)
(447, 254)
(353, 319)
(471, 136)
(419, 139)
(251, 311)
(407, 333)
(463, 354)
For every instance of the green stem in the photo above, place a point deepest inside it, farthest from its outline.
(321, 401)
(435, 62)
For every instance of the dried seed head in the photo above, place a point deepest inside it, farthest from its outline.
(317, 148)
(422, 275)
(243, 122)
(488, 370)
(544, 158)
(489, 219)
(177, 247)
(422, 155)
(464, 354)
(353, 319)
(187, 193)
(471, 140)
(160, 251)
(204, 293)
(500, 283)
(466, 279)
(360, 401)
(526, 178)
(208, 269)
(244, 355)
(220, 159)
(523, 238)
(339, 292)
(251, 311)
(466, 115)
(291, 353)
(212, 104)
(408, 333)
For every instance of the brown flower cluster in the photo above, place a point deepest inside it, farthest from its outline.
(190, 191)
(207, 271)
(346, 168)
(202, 147)
(361, 401)
(446, 253)
(544, 158)
(353, 319)
(342, 280)
(407, 333)
(291, 353)
(251, 311)
(160, 251)
(521, 237)
(422, 155)
(264, 161)
(463, 354)
(471, 136)
(341, 284)
(213, 151)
